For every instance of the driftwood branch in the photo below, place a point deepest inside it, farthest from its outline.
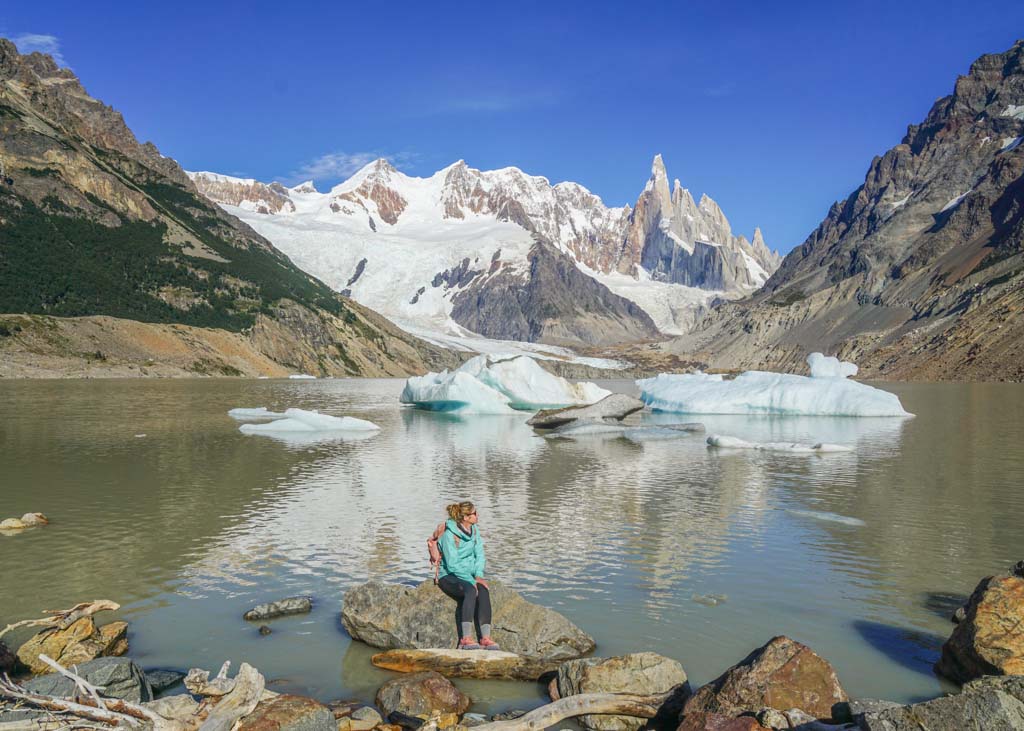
(240, 702)
(64, 618)
(584, 704)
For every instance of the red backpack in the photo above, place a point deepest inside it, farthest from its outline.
(435, 551)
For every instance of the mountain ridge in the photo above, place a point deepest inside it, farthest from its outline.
(95, 223)
(919, 272)
(666, 258)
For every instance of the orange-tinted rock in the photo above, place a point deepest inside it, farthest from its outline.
(782, 674)
(990, 638)
(289, 713)
(79, 643)
(421, 693)
(702, 721)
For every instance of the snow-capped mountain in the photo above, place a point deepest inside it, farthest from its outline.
(505, 254)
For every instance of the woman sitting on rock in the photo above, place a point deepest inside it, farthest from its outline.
(461, 575)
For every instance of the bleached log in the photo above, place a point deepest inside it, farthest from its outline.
(584, 704)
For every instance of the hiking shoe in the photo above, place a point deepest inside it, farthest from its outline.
(488, 644)
(466, 643)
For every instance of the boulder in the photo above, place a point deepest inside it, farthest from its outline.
(703, 721)
(465, 663)
(355, 716)
(79, 643)
(161, 680)
(117, 677)
(280, 608)
(616, 406)
(989, 640)
(8, 660)
(783, 674)
(395, 616)
(854, 709)
(988, 703)
(639, 673)
(421, 694)
(288, 713)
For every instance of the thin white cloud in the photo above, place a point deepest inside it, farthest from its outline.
(336, 166)
(495, 102)
(29, 42)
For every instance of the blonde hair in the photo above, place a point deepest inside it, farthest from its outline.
(460, 511)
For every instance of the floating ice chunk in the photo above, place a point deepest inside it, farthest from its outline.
(485, 385)
(300, 420)
(825, 393)
(302, 377)
(830, 517)
(828, 366)
(726, 442)
(261, 412)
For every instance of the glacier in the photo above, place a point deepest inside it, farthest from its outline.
(303, 421)
(491, 385)
(827, 392)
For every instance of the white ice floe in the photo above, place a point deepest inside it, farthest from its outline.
(261, 412)
(302, 377)
(829, 517)
(301, 420)
(725, 442)
(488, 385)
(826, 393)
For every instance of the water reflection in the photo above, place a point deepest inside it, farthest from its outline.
(189, 526)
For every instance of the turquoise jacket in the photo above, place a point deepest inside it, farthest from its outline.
(466, 561)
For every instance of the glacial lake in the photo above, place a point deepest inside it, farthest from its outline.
(861, 555)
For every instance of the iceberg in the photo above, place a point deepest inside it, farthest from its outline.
(302, 377)
(258, 413)
(303, 421)
(487, 385)
(827, 392)
(725, 442)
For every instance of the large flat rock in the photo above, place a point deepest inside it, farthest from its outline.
(616, 406)
(465, 663)
(395, 616)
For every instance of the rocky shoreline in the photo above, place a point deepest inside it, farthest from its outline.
(783, 684)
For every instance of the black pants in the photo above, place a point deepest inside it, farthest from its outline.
(474, 600)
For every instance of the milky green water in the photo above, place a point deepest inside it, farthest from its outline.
(860, 555)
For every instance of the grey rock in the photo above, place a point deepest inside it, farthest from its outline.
(367, 714)
(397, 616)
(118, 677)
(1017, 569)
(280, 608)
(992, 703)
(470, 720)
(959, 615)
(265, 630)
(772, 718)
(161, 680)
(640, 673)
(616, 406)
(853, 710)
(8, 660)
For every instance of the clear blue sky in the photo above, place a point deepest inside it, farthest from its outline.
(773, 109)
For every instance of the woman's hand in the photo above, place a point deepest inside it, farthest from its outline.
(480, 580)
